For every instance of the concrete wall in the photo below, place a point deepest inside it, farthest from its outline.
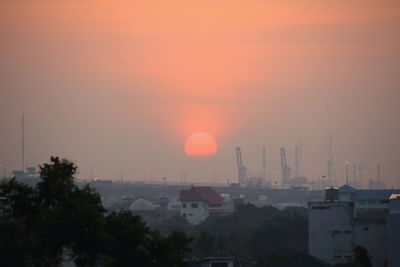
(370, 233)
(393, 240)
(393, 233)
(331, 235)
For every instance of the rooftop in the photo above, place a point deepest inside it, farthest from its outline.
(347, 189)
(202, 193)
(374, 194)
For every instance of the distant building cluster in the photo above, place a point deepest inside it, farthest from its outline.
(349, 218)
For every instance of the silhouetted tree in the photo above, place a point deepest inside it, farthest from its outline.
(56, 220)
(361, 256)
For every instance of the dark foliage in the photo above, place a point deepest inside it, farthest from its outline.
(361, 259)
(262, 235)
(57, 221)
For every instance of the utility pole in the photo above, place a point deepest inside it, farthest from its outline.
(330, 164)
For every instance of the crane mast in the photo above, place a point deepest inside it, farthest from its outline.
(285, 169)
(242, 171)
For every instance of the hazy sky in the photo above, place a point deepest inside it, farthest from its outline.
(121, 84)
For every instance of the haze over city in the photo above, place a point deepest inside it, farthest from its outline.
(118, 85)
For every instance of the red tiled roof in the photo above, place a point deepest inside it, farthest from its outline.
(202, 193)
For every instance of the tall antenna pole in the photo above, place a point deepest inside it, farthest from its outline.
(164, 185)
(23, 142)
(378, 172)
(264, 162)
(300, 159)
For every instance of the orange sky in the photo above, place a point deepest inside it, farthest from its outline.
(249, 72)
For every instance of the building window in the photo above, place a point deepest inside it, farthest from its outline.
(184, 205)
(195, 205)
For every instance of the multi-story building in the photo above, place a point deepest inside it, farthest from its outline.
(348, 218)
(198, 202)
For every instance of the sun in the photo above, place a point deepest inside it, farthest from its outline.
(200, 144)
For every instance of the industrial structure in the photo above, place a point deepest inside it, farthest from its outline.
(298, 161)
(242, 170)
(285, 169)
(377, 183)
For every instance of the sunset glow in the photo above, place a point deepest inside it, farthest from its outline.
(117, 77)
(200, 144)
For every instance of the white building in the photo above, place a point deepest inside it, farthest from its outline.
(198, 202)
(195, 211)
(330, 231)
(354, 218)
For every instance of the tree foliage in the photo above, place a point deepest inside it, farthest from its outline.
(262, 235)
(58, 221)
(361, 256)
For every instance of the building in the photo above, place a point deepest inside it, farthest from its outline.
(29, 177)
(198, 202)
(393, 230)
(348, 218)
(330, 231)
